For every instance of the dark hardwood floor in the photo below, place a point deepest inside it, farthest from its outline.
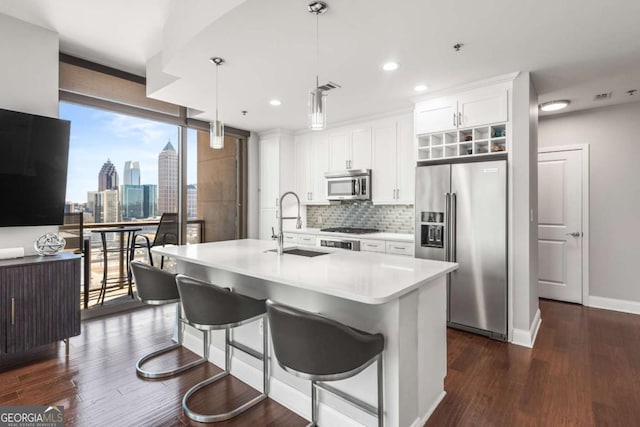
(98, 385)
(584, 371)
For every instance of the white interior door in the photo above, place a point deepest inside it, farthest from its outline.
(560, 225)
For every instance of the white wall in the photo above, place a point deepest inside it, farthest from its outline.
(524, 205)
(613, 134)
(28, 83)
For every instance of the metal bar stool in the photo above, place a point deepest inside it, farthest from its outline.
(158, 287)
(319, 349)
(210, 307)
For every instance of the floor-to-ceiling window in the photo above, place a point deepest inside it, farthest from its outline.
(125, 167)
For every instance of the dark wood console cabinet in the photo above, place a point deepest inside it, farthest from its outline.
(39, 301)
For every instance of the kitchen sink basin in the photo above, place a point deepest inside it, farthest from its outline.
(301, 252)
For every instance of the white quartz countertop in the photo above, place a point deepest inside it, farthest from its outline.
(397, 237)
(367, 277)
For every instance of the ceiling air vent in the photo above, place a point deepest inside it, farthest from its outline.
(603, 96)
(328, 86)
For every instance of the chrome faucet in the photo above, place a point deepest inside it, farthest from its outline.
(280, 235)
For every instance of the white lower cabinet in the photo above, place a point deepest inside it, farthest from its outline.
(372, 246)
(400, 248)
(290, 238)
(306, 239)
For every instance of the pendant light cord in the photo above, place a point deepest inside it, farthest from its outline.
(217, 66)
(317, 49)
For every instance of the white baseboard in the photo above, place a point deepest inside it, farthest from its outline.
(624, 306)
(527, 338)
(419, 422)
(288, 396)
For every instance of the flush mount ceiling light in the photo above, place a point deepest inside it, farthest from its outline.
(555, 105)
(420, 88)
(275, 102)
(390, 66)
(216, 128)
(317, 97)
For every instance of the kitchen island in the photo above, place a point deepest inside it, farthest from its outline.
(403, 298)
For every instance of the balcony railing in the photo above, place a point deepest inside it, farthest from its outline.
(77, 233)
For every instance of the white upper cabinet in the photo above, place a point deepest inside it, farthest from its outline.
(340, 150)
(482, 107)
(350, 148)
(436, 115)
(269, 172)
(471, 108)
(276, 153)
(393, 170)
(383, 173)
(302, 144)
(360, 148)
(406, 151)
(319, 165)
(311, 162)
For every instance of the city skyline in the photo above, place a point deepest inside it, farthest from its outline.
(98, 135)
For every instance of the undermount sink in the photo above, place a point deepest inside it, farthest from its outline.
(301, 252)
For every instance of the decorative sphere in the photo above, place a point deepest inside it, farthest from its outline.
(49, 244)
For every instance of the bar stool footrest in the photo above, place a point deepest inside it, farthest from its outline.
(212, 418)
(164, 374)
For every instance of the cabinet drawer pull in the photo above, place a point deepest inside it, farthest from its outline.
(454, 120)
(13, 311)
(400, 248)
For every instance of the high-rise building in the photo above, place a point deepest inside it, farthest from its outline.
(131, 201)
(149, 201)
(168, 180)
(91, 201)
(131, 173)
(192, 201)
(108, 177)
(138, 201)
(106, 206)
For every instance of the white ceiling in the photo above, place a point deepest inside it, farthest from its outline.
(574, 49)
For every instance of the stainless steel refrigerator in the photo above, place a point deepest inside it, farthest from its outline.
(461, 216)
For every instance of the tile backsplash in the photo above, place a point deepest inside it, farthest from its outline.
(390, 219)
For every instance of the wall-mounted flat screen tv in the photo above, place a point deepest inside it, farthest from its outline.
(34, 154)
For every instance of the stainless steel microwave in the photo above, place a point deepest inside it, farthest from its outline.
(354, 184)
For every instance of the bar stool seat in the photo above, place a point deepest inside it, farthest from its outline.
(319, 349)
(210, 307)
(158, 287)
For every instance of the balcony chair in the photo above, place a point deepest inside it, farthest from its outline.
(167, 233)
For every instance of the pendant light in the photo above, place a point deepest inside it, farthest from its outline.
(216, 128)
(317, 97)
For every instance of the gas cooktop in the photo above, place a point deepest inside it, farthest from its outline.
(350, 230)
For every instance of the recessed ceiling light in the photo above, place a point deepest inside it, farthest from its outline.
(390, 66)
(555, 105)
(275, 102)
(420, 88)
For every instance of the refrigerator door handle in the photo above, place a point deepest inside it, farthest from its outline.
(454, 232)
(447, 225)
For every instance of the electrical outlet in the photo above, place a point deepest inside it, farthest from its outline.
(261, 327)
(319, 219)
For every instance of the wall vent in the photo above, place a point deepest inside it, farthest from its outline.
(603, 96)
(328, 86)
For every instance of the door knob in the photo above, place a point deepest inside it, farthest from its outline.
(575, 234)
